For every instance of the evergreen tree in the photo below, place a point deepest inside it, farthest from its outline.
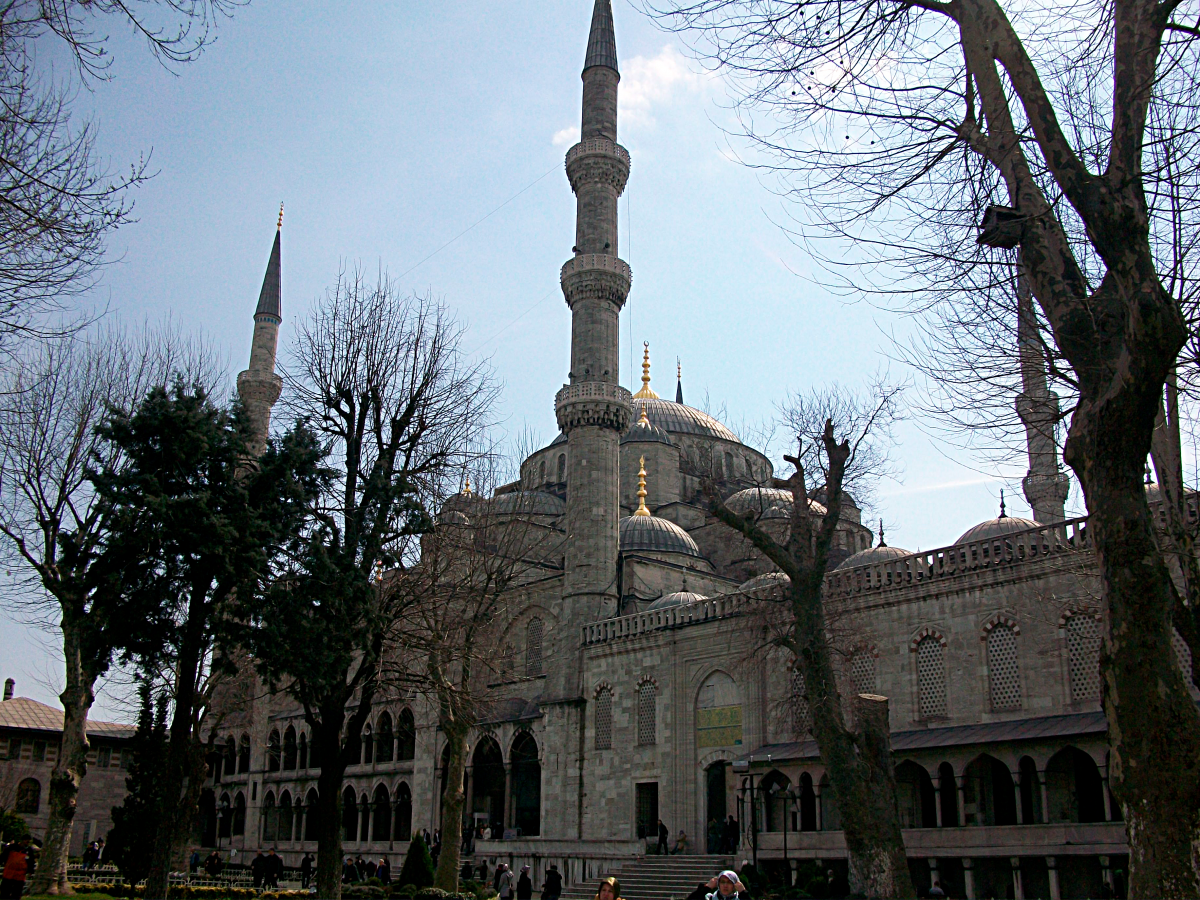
(418, 865)
(131, 840)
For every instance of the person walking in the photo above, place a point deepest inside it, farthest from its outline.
(715, 836)
(194, 862)
(664, 835)
(17, 863)
(506, 882)
(258, 868)
(306, 870)
(524, 885)
(552, 886)
(273, 871)
(731, 835)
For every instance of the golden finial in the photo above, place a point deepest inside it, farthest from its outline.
(641, 494)
(645, 393)
(467, 487)
(279, 224)
(642, 420)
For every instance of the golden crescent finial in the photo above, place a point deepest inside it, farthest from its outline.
(645, 393)
(279, 224)
(467, 487)
(641, 492)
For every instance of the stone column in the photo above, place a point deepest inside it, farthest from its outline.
(962, 804)
(1018, 887)
(820, 812)
(1045, 797)
(937, 802)
(1017, 797)
(1108, 816)
(1052, 870)
(469, 800)
(508, 806)
(934, 877)
(969, 876)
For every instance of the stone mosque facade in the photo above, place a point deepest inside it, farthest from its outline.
(632, 688)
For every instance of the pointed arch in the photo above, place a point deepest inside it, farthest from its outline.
(402, 822)
(349, 815)
(526, 785)
(274, 755)
(243, 757)
(312, 821)
(289, 748)
(385, 742)
(406, 735)
(381, 815)
(270, 818)
(285, 816)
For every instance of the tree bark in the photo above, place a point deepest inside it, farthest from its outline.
(446, 876)
(69, 769)
(329, 817)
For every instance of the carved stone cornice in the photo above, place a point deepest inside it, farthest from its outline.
(598, 161)
(596, 276)
(596, 403)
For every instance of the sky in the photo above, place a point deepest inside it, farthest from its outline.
(427, 140)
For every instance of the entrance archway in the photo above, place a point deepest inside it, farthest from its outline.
(487, 770)
(526, 785)
(715, 788)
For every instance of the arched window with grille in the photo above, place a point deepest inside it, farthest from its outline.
(1183, 656)
(29, 797)
(604, 715)
(862, 671)
(801, 711)
(1004, 673)
(1083, 656)
(931, 677)
(647, 713)
(533, 647)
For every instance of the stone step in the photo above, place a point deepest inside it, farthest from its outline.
(658, 877)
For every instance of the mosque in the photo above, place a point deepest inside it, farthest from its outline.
(632, 690)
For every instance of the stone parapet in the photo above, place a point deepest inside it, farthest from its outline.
(256, 386)
(596, 403)
(596, 276)
(598, 161)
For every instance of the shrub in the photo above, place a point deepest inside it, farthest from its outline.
(418, 865)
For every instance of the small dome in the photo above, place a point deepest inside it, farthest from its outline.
(679, 598)
(645, 432)
(655, 534)
(766, 581)
(822, 496)
(529, 503)
(872, 555)
(767, 503)
(994, 528)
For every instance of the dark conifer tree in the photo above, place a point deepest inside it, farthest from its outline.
(131, 839)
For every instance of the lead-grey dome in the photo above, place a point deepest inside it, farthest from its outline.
(767, 503)
(647, 433)
(679, 598)
(529, 503)
(656, 535)
(675, 418)
(994, 528)
(766, 582)
(872, 555)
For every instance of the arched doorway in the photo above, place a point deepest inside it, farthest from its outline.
(487, 769)
(773, 802)
(988, 796)
(1074, 788)
(402, 826)
(948, 794)
(312, 820)
(808, 804)
(715, 789)
(914, 796)
(208, 818)
(349, 816)
(526, 785)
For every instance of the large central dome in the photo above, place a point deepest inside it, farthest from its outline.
(676, 418)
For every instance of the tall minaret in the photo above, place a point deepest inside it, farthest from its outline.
(1046, 486)
(593, 410)
(259, 386)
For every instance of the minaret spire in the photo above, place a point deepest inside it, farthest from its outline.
(1045, 486)
(593, 410)
(258, 386)
(678, 381)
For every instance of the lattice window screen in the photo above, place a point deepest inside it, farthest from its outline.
(862, 672)
(647, 726)
(604, 719)
(931, 676)
(533, 647)
(1183, 656)
(801, 711)
(1003, 669)
(1083, 656)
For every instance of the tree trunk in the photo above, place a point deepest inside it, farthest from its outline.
(446, 876)
(69, 769)
(329, 817)
(1153, 725)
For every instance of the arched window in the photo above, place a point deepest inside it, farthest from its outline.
(533, 647)
(225, 810)
(931, 677)
(402, 824)
(285, 816)
(368, 745)
(312, 820)
(948, 793)
(729, 473)
(364, 820)
(243, 757)
(862, 671)
(562, 467)
(29, 797)
(273, 755)
(230, 755)
(542, 472)
(270, 818)
(349, 815)
(801, 711)
(988, 794)
(647, 713)
(526, 785)
(406, 736)
(1083, 656)
(303, 750)
(808, 803)
(915, 796)
(385, 744)
(239, 814)
(1074, 788)
(289, 748)
(381, 818)
(1003, 672)
(604, 700)
(775, 788)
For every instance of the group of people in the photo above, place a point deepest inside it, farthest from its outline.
(266, 869)
(682, 844)
(519, 887)
(725, 886)
(723, 835)
(359, 869)
(93, 855)
(18, 859)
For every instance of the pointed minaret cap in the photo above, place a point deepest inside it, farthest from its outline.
(602, 41)
(678, 381)
(269, 302)
(645, 393)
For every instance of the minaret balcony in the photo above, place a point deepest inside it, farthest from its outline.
(598, 161)
(596, 403)
(596, 276)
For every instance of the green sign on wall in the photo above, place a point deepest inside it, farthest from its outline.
(720, 726)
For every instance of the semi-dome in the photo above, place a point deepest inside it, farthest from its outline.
(529, 503)
(994, 528)
(871, 555)
(679, 598)
(767, 503)
(643, 432)
(766, 581)
(656, 535)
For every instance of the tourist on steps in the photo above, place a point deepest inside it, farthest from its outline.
(524, 885)
(663, 836)
(726, 886)
(610, 889)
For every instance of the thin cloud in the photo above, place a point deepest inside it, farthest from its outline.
(651, 82)
(566, 137)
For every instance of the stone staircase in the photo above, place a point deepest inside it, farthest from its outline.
(657, 877)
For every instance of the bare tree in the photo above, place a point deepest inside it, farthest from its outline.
(381, 382)
(1070, 130)
(473, 577)
(54, 526)
(855, 748)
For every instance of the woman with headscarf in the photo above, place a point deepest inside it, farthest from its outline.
(610, 889)
(726, 886)
(524, 885)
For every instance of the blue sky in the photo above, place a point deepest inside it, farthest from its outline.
(389, 129)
